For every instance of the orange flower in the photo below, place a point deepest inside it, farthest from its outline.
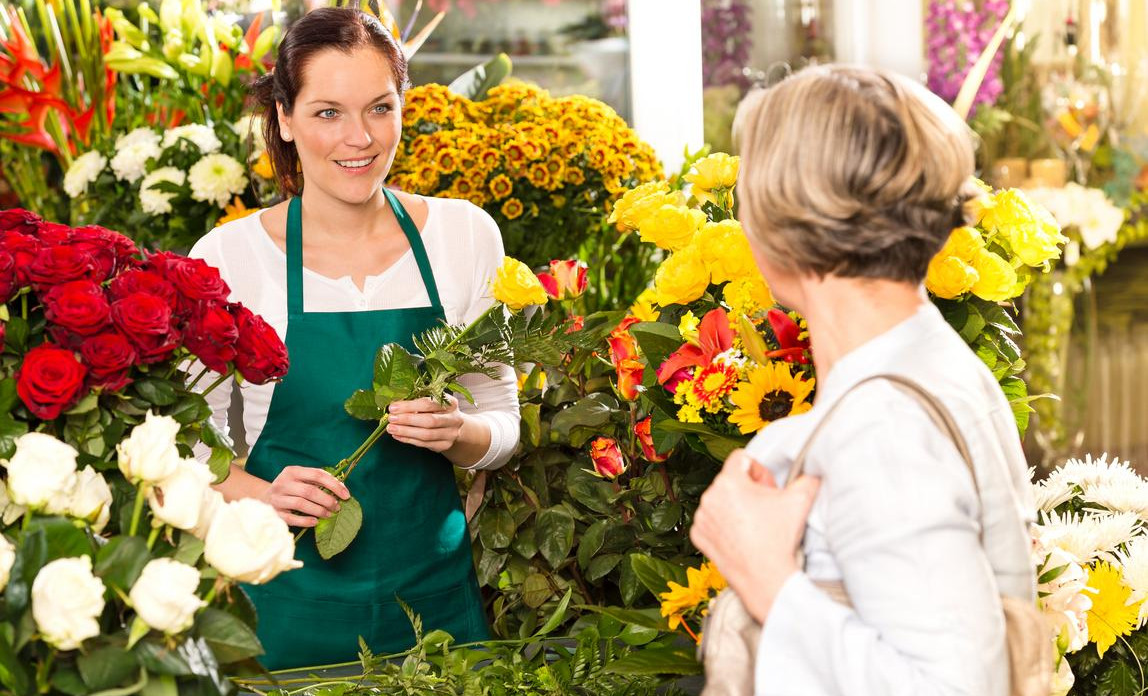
(630, 373)
(565, 280)
(512, 208)
(607, 457)
(646, 440)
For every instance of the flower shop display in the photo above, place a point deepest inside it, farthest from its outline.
(1091, 555)
(118, 560)
(956, 34)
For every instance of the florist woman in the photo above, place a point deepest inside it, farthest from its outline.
(340, 268)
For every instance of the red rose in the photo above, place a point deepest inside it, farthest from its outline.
(51, 233)
(20, 220)
(138, 280)
(3, 333)
(50, 380)
(23, 249)
(111, 250)
(79, 306)
(261, 355)
(61, 263)
(109, 357)
(9, 282)
(146, 321)
(646, 440)
(196, 280)
(609, 462)
(212, 336)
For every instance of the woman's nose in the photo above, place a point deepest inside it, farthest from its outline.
(357, 133)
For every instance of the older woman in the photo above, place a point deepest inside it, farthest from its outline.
(851, 181)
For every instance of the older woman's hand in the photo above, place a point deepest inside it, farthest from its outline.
(750, 529)
(426, 423)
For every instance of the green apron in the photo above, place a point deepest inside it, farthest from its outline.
(414, 544)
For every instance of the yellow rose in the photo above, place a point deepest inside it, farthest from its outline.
(996, 279)
(726, 251)
(643, 307)
(671, 226)
(714, 173)
(747, 296)
(1029, 229)
(965, 243)
(516, 286)
(681, 279)
(638, 202)
(949, 277)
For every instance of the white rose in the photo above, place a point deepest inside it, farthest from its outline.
(9, 511)
(212, 501)
(203, 137)
(67, 600)
(164, 595)
(156, 202)
(149, 453)
(42, 473)
(177, 499)
(215, 178)
(92, 499)
(84, 170)
(249, 542)
(7, 558)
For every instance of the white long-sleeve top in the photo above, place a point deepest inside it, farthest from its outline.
(465, 249)
(897, 520)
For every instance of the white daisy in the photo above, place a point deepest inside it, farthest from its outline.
(1088, 536)
(84, 170)
(216, 178)
(198, 134)
(154, 201)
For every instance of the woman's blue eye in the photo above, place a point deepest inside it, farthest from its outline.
(382, 108)
(327, 113)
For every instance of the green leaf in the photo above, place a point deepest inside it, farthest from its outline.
(593, 411)
(718, 446)
(490, 564)
(556, 618)
(496, 529)
(665, 517)
(8, 396)
(120, 561)
(974, 325)
(532, 423)
(230, 639)
(13, 672)
(555, 534)
(10, 430)
(335, 533)
(192, 408)
(602, 565)
(160, 685)
(67, 680)
(65, 540)
(591, 542)
(1051, 574)
(189, 549)
(629, 585)
(525, 544)
(589, 490)
(657, 660)
(461, 391)
(395, 371)
(84, 405)
(16, 336)
(476, 82)
(362, 405)
(158, 659)
(536, 590)
(638, 635)
(157, 392)
(107, 667)
(1119, 679)
(999, 318)
(657, 340)
(655, 573)
(646, 618)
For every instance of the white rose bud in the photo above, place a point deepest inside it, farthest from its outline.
(9, 511)
(149, 453)
(249, 542)
(42, 473)
(7, 558)
(67, 601)
(212, 501)
(164, 595)
(177, 499)
(92, 499)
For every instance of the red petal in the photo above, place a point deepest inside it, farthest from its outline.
(684, 357)
(714, 334)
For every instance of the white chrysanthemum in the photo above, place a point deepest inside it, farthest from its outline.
(1119, 497)
(84, 170)
(1094, 472)
(216, 178)
(154, 201)
(251, 125)
(1053, 491)
(1088, 536)
(200, 135)
(130, 162)
(137, 136)
(1134, 567)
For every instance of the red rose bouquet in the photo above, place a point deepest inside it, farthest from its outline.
(95, 335)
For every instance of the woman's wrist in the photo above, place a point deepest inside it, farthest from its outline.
(472, 442)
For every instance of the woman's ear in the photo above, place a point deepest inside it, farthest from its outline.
(284, 123)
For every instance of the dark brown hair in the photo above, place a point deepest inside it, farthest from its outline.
(855, 172)
(341, 28)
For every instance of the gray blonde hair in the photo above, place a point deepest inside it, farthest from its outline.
(851, 172)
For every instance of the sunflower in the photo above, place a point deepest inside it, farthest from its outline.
(771, 392)
(512, 208)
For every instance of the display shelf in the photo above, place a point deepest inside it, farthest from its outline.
(551, 61)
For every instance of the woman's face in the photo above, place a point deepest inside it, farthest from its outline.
(346, 123)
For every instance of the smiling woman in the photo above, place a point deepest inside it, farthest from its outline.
(340, 268)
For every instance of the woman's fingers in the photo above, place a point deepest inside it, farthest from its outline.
(317, 477)
(294, 520)
(304, 506)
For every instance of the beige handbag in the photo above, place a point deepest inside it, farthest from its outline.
(730, 635)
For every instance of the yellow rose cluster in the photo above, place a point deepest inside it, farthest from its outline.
(536, 163)
(995, 259)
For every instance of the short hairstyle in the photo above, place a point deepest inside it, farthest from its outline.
(852, 172)
(341, 28)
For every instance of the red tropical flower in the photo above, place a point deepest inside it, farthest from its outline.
(791, 347)
(714, 338)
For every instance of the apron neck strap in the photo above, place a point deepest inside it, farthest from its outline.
(295, 252)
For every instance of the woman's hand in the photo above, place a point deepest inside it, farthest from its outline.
(426, 423)
(298, 495)
(750, 529)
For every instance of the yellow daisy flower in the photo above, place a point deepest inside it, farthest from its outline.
(1111, 615)
(512, 208)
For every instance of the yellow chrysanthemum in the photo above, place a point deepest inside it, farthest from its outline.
(996, 278)
(689, 413)
(1111, 615)
(501, 187)
(516, 286)
(771, 392)
(671, 227)
(512, 208)
(681, 279)
(712, 382)
(643, 307)
(448, 159)
(747, 296)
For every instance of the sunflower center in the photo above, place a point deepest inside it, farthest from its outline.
(775, 404)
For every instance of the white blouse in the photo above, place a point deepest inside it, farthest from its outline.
(897, 520)
(465, 249)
